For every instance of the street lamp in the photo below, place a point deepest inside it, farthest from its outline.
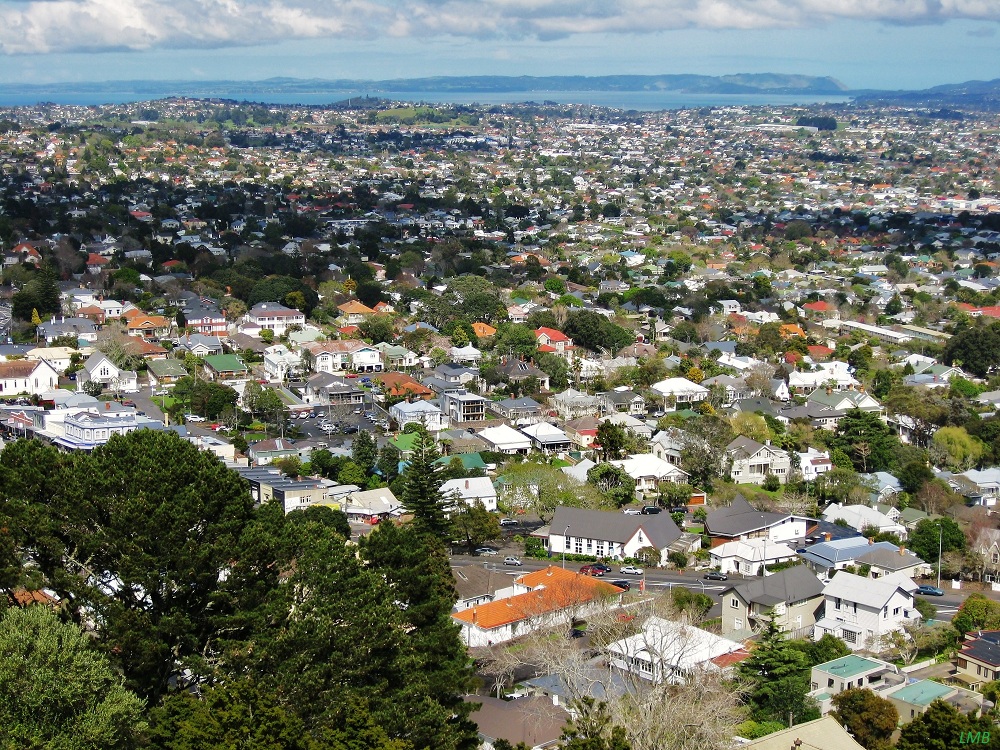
(565, 542)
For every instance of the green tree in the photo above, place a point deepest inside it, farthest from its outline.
(57, 690)
(251, 397)
(474, 524)
(923, 540)
(617, 486)
(377, 329)
(778, 675)
(827, 648)
(858, 428)
(956, 448)
(941, 727)
(913, 476)
(612, 440)
(364, 451)
(270, 405)
(351, 473)
(869, 717)
(592, 728)
(421, 490)
(977, 613)
(976, 349)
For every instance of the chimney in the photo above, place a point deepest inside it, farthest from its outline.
(827, 536)
(474, 616)
(871, 540)
(466, 484)
(107, 406)
(902, 551)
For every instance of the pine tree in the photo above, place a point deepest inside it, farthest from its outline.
(364, 451)
(778, 674)
(421, 494)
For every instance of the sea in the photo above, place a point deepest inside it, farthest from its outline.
(646, 101)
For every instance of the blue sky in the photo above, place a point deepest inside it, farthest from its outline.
(863, 43)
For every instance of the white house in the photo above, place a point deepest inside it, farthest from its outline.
(813, 462)
(33, 377)
(750, 557)
(861, 611)
(669, 651)
(860, 517)
(270, 316)
(60, 357)
(99, 368)
(505, 439)
(470, 491)
(650, 471)
(608, 535)
(751, 462)
(420, 412)
(279, 362)
(681, 391)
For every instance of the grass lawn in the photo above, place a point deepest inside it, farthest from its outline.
(164, 402)
(254, 436)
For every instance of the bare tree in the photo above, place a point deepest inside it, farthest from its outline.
(758, 379)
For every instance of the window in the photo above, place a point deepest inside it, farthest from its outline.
(738, 624)
(895, 611)
(836, 603)
(578, 546)
(849, 636)
(590, 546)
(734, 603)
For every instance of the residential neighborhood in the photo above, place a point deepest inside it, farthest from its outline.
(658, 399)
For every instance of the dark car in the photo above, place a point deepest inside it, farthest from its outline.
(679, 509)
(592, 570)
(350, 429)
(651, 510)
(714, 575)
(929, 591)
(601, 566)
(622, 584)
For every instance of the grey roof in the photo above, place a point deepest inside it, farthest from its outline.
(615, 527)
(740, 518)
(790, 585)
(888, 559)
(828, 554)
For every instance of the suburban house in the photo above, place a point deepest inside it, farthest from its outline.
(862, 611)
(813, 462)
(851, 672)
(555, 342)
(337, 356)
(81, 329)
(270, 316)
(649, 472)
(614, 536)
(824, 732)
(861, 517)
(524, 410)
(825, 558)
(549, 598)
(583, 431)
(518, 370)
(680, 392)
(100, 369)
(979, 659)
(536, 721)
(750, 557)
(149, 327)
(622, 399)
(740, 520)
(470, 491)
(572, 404)
(548, 438)
(199, 345)
(845, 400)
(751, 462)
(980, 487)
(202, 315)
(353, 312)
(791, 598)
(668, 445)
(669, 651)
(163, 372)
(60, 357)
(630, 422)
(325, 389)
(226, 368)
(419, 412)
(505, 439)
(280, 362)
(31, 376)
(460, 406)
(88, 429)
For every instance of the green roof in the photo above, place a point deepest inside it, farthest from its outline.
(166, 368)
(922, 693)
(848, 666)
(404, 441)
(225, 363)
(469, 460)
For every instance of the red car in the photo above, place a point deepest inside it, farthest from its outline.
(592, 570)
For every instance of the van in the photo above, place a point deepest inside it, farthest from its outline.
(651, 510)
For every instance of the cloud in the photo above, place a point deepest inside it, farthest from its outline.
(43, 26)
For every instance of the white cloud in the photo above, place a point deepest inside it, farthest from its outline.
(43, 26)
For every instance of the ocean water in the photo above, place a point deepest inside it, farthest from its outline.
(638, 100)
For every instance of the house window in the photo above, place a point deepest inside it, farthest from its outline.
(578, 546)
(734, 603)
(895, 612)
(836, 603)
(829, 683)
(850, 636)
(590, 546)
(996, 558)
(600, 549)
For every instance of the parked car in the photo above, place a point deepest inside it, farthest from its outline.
(679, 509)
(350, 429)
(714, 575)
(592, 570)
(929, 591)
(602, 566)
(128, 402)
(630, 570)
(193, 418)
(631, 511)
(486, 551)
(511, 560)
(509, 522)
(621, 583)
(651, 510)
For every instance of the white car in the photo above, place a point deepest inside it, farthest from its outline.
(486, 551)
(193, 418)
(631, 570)
(512, 561)
(631, 511)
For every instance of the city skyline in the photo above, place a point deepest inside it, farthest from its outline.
(898, 45)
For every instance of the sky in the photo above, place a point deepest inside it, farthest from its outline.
(883, 44)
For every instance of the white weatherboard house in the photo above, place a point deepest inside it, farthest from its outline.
(862, 611)
(613, 536)
(471, 490)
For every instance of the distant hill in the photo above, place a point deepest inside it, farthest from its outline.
(771, 83)
(982, 95)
